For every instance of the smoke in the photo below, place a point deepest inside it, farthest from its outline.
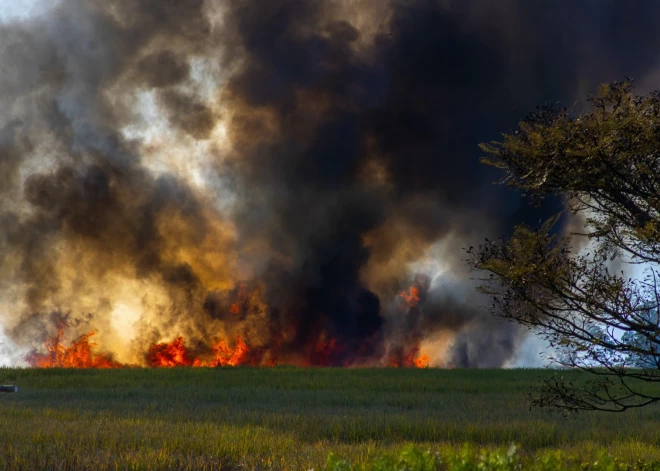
(287, 171)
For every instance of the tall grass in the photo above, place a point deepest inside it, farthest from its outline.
(287, 418)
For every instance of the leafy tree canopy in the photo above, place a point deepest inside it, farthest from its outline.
(606, 165)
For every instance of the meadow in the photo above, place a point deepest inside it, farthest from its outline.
(290, 418)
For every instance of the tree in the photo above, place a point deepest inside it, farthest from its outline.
(638, 340)
(605, 165)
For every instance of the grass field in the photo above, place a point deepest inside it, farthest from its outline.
(287, 418)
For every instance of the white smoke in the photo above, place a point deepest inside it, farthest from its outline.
(10, 354)
(14, 11)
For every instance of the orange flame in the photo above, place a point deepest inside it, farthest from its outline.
(78, 355)
(175, 353)
(240, 306)
(410, 297)
(421, 361)
(410, 358)
(320, 349)
(235, 309)
(169, 354)
(227, 356)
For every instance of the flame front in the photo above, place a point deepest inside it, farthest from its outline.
(422, 361)
(78, 355)
(283, 347)
(169, 354)
(175, 353)
(227, 356)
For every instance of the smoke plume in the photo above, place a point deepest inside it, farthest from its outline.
(299, 175)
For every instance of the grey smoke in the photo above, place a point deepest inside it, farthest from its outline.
(315, 102)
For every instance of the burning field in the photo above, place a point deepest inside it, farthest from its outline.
(320, 350)
(213, 183)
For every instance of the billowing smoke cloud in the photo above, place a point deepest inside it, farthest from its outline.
(298, 174)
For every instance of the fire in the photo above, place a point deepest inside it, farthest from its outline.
(410, 297)
(422, 361)
(175, 353)
(77, 355)
(240, 306)
(227, 356)
(169, 354)
(406, 351)
(408, 358)
(281, 344)
(325, 352)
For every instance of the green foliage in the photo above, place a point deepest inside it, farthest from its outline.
(335, 463)
(410, 458)
(413, 459)
(469, 459)
(549, 461)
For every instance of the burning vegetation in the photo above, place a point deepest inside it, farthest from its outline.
(322, 350)
(240, 182)
(77, 355)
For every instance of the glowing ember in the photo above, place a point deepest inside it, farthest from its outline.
(325, 352)
(78, 355)
(241, 305)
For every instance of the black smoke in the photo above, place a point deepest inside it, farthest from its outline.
(352, 150)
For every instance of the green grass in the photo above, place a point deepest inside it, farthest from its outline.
(287, 418)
